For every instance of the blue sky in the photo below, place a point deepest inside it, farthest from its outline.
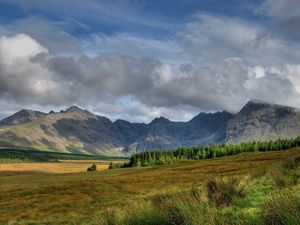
(137, 59)
(154, 18)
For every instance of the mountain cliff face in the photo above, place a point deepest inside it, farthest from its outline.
(259, 120)
(79, 131)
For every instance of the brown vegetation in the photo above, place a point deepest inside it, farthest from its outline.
(44, 197)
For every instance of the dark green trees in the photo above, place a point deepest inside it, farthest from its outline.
(92, 168)
(160, 157)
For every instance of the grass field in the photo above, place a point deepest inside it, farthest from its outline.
(33, 197)
(65, 166)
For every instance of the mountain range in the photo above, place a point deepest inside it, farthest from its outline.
(75, 130)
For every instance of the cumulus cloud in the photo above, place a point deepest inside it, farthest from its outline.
(210, 39)
(211, 63)
(121, 84)
(21, 79)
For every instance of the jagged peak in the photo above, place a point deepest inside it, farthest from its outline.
(204, 115)
(22, 116)
(121, 121)
(28, 112)
(257, 104)
(25, 110)
(160, 119)
(75, 108)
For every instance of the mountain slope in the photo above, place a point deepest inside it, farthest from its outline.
(74, 130)
(259, 120)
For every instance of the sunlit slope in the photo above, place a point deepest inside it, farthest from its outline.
(73, 131)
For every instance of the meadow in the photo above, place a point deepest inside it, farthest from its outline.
(61, 166)
(248, 188)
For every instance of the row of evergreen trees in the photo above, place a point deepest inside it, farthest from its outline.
(160, 157)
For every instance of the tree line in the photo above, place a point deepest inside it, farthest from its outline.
(161, 157)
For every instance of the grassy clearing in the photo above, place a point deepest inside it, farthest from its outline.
(169, 194)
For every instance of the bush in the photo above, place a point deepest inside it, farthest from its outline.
(92, 168)
(116, 165)
(282, 209)
(222, 191)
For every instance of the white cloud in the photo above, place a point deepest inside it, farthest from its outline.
(20, 78)
(210, 40)
(213, 63)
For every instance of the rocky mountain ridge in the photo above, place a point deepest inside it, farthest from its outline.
(80, 131)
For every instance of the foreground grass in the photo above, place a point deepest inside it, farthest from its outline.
(245, 186)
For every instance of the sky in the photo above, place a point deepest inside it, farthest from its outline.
(141, 59)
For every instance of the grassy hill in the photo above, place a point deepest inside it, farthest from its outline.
(249, 188)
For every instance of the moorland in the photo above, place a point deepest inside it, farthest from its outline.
(248, 188)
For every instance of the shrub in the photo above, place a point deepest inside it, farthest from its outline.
(282, 209)
(92, 168)
(116, 165)
(222, 191)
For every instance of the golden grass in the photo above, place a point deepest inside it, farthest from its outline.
(35, 195)
(66, 166)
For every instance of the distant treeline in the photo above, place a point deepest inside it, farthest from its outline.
(16, 155)
(160, 157)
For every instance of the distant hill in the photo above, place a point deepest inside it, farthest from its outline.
(79, 131)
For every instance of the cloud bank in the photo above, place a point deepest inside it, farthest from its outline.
(211, 63)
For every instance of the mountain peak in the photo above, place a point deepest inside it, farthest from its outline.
(259, 108)
(203, 116)
(255, 104)
(258, 102)
(160, 120)
(74, 108)
(22, 116)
